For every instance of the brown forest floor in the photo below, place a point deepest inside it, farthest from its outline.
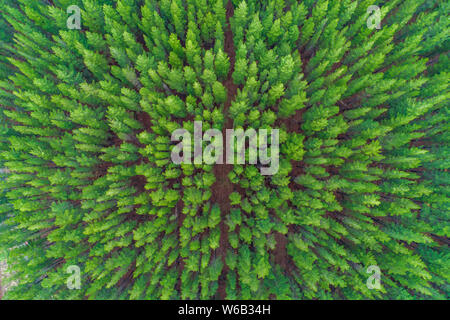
(223, 187)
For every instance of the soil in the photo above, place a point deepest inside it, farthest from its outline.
(223, 187)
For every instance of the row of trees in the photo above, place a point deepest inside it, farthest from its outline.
(350, 192)
(92, 183)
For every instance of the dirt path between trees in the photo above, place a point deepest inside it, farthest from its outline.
(223, 187)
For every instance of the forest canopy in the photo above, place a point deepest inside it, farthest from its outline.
(89, 99)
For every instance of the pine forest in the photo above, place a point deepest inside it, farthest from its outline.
(354, 96)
